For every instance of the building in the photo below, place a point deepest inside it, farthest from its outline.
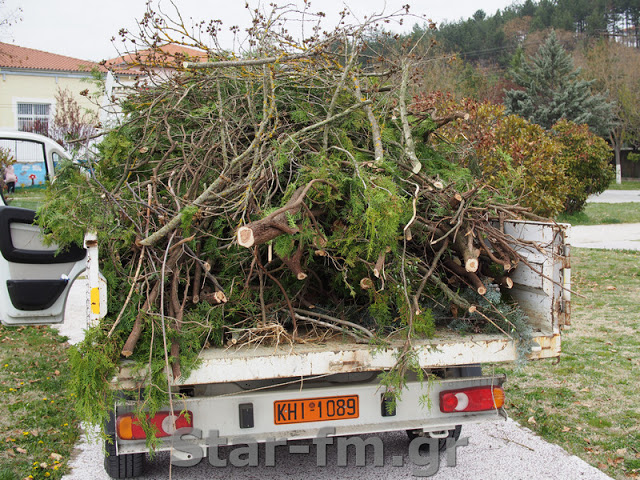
(30, 80)
(139, 69)
(160, 62)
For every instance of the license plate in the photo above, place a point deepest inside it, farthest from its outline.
(315, 409)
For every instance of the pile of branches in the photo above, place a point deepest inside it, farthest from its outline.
(289, 194)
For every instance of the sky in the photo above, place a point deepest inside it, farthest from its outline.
(84, 28)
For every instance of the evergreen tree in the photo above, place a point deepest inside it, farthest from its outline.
(552, 90)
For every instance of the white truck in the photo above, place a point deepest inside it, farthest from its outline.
(241, 395)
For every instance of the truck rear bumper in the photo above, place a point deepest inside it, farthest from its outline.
(250, 416)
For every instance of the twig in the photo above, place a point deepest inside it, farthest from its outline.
(336, 320)
(357, 338)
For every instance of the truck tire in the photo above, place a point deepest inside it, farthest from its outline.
(129, 465)
(458, 372)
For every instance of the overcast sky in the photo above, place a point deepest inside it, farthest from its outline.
(84, 28)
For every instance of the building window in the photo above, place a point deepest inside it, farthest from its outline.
(34, 117)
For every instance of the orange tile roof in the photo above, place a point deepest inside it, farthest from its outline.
(13, 56)
(167, 56)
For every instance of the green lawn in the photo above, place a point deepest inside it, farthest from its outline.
(38, 430)
(626, 185)
(604, 213)
(588, 403)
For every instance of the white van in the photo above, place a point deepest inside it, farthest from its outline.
(34, 277)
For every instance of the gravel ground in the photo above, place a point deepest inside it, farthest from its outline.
(501, 450)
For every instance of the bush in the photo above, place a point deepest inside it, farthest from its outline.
(585, 159)
(515, 157)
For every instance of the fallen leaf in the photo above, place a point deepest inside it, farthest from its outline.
(55, 456)
(11, 453)
(57, 372)
(20, 450)
(566, 429)
(532, 420)
(585, 389)
(43, 465)
(579, 429)
(618, 460)
(602, 466)
(611, 287)
(621, 451)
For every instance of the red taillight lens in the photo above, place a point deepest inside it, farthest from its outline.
(128, 425)
(474, 399)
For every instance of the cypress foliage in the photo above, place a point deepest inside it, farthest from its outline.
(551, 90)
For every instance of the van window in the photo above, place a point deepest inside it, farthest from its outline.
(25, 177)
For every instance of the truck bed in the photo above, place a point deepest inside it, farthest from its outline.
(447, 349)
(543, 294)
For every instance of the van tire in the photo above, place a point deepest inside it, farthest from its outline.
(129, 465)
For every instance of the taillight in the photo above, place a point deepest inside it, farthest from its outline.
(474, 399)
(128, 425)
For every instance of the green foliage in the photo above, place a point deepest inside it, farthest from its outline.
(424, 324)
(384, 212)
(585, 158)
(550, 89)
(72, 207)
(187, 218)
(506, 317)
(380, 309)
(93, 364)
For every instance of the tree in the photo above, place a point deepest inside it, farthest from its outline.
(616, 69)
(71, 125)
(551, 89)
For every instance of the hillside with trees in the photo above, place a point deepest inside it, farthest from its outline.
(546, 61)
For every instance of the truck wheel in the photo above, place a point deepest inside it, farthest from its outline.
(129, 465)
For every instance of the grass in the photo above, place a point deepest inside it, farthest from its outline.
(589, 402)
(626, 185)
(37, 429)
(604, 213)
(30, 198)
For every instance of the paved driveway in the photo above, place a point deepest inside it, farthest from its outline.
(623, 236)
(616, 196)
